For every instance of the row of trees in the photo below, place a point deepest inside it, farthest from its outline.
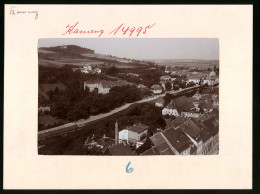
(74, 103)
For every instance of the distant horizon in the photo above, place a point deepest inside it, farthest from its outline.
(145, 49)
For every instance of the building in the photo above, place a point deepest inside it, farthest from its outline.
(141, 86)
(122, 149)
(165, 78)
(204, 134)
(97, 71)
(174, 123)
(156, 89)
(159, 102)
(44, 109)
(181, 106)
(195, 133)
(103, 86)
(170, 142)
(161, 144)
(134, 134)
(212, 79)
(92, 85)
(101, 144)
(181, 144)
(164, 82)
(197, 95)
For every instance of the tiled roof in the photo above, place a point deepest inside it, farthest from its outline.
(138, 128)
(156, 87)
(210, 91)
(110, 84)
(181, 103)
(159, 100)
(212, 124)
(174, 123)
(178, 139)
(161, 144)
(121, 150)
(151, 151)
(92, 82)
(191, 128)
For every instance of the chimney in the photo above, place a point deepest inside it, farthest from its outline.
(116, 133)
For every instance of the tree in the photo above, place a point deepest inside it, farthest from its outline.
(168, 86)
(176, 87)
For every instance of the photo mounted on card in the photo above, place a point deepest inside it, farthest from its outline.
(128, 97)
(125, 97)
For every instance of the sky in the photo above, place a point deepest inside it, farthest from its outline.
(144, 48)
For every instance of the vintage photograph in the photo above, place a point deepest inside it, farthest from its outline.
(128, 97)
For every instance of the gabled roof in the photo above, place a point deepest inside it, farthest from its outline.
(178, 139)
(151, 151)
(161, 145)
(92, 82)
(181, 103)
(159, 100)
(110, 84)
(196, 130)
(138, 128)
(156, 87)
(210, 91)
(212, 124)
(121, 149)
(174, 123)
(191, 128)
(164, 77)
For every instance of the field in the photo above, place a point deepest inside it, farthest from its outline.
(55, 59)
(192, 63)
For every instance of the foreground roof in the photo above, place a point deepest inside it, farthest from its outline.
(121, 149)
(178, 139)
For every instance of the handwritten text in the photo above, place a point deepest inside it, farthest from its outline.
(14, 11)
(119, 30)
(130, 169)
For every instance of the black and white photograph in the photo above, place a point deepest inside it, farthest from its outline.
(128, 97)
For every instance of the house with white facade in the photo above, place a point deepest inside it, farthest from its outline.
(180, 107)
(156, 89)
(134, 134)
(103, 86)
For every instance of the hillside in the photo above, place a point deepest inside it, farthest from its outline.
(74, 55)
(191, 63)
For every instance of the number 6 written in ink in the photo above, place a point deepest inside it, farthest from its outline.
(130, 169)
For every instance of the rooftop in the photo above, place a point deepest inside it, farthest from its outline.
(151, 151)
(156, 87)
(121, 149)
(138, 128)
(178, 139)
(181, 103)
(161, 144)
(174, 123)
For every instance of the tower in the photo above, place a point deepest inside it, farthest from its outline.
(116, 133)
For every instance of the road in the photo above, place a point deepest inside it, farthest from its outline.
(82, 122)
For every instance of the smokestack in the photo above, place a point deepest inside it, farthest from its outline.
(116, 133)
